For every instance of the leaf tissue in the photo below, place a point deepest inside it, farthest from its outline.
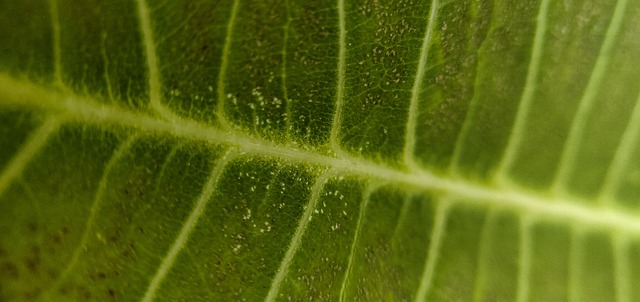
(281, 150)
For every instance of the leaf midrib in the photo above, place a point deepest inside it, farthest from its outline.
(73, 108)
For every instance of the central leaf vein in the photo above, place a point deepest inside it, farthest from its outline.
(87, 111)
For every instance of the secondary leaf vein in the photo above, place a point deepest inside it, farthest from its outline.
(526, 100)
(337, 116)
(224, 64)
(57, 52)
(316, 190)
(437, 235)
(615, 172)
(117, 155)
(366, 197)
(410, 137)
(585, 108)
(27, 152)
(524, 259)
(623, 276)
(187, 227)
(155, 88)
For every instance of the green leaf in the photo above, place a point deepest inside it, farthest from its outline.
(319, 150)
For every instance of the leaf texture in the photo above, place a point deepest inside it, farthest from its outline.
(283, 150)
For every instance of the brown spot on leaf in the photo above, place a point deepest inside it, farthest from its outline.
(32, 226)
(83, 293)
(34, 260)
(98, 276)
(56, 238)
(9, 269)
(111, 293)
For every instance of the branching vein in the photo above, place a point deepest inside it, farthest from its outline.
(342, 49)
(187, 228)
(524, 259)
(622, 157)
(585, 108)
(528, 93)
(366, 197)
(105, 60)
(484, 254)
(576, 259)
(410, 137)
(117, 155)
(283, 68)
(437, 235)
(57, 52)
(316, 191)
(404, 212)
(155, 88)
(224, 65)
(27, 152)
(623, 276)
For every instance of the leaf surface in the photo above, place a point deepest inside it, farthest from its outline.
(319, 150)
